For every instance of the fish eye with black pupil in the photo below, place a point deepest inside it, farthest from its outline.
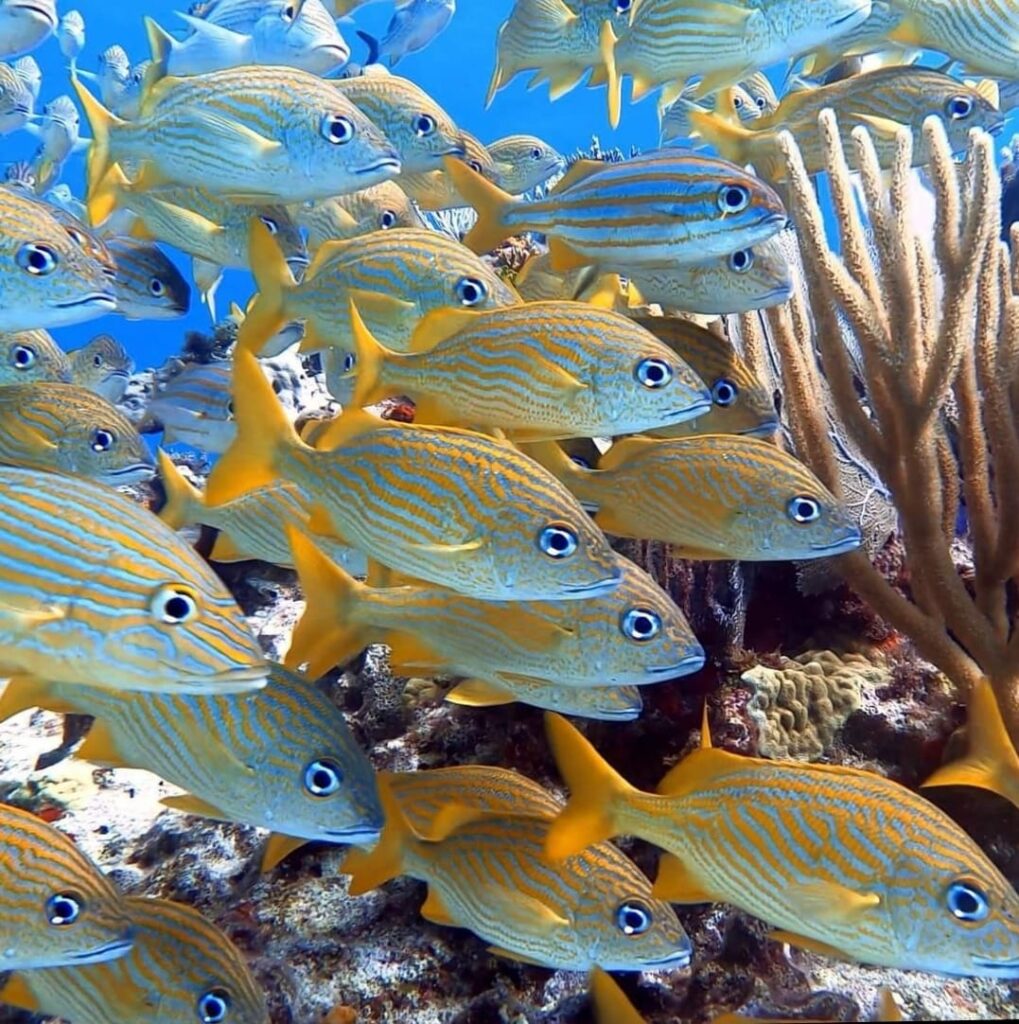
(337, 129)
(424, 125)
(23, 357)
(966, 901)
(174, 605)
(633, 917)
(803, 509)
(557, 541)
(733, 198)
(741, 260)
(322, 777)
(103, 440)
(63, 908)
(641, 624)
(470, 291)
(213, 1006)
(724, 392)
(37, 259)
(653, 373)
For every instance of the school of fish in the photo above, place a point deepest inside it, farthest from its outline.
(554, 410)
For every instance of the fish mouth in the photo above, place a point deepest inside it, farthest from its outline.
(354, 836)
(680, 958)
(134, 474)
(602, 586)
(691, 663)
(239, 679)
(999, 968)
(110, 951)
(101, 299)
(387, 162)
(765, 429)
(780, 294)
(839, 547)
(778, 221)
(690, 412)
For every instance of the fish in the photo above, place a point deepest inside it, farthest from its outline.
(286, 761)
(422, 132)
(712, 497)
(418, 499)
(27, 356)
(60, 137)
(47, 278)
(24, 24)
(633, 636)
(129, 100)
(102, 365)
(149, 286)
(255, 134)
(59, 908)
(656, 209)
(753, 278)
(113, 75)
(394, 276)
(71, 35)
(734, 99)
(880, 101)
(27, 69)
(490, 876)
(380, 208)
(64, 428)
(194, 408)
(869, 37)
(344, 8)
(181, 969)
(782, 841)
(523, 162)
(540, 369)
(536, 281)
(434, 190)
(16, 101)
(740, 403)
(94, 589)
(415, 24)
(252, 525)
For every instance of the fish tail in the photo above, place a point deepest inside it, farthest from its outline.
(326, 634)
(273, 277)
(596, 790)
(161, 45)
(182, 497)
(491, 202)
(610, 1004)
(370, 869)
(728, 137)
(101, 121)
(373, 47)
(607, 45)
(371, 357)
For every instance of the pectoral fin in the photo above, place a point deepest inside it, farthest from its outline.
(829, 901)
(278, 848)
(435, 910)
(676, 884)
(27, 613)
(188, 804)
(811, 945)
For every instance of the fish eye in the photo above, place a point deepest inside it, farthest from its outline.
(633, 917)
(741, 260)
(63, 908)
(337, 129)
(761, 103)
(959, 107)
(322, 777)
(470, 291)
(967, 901)
(174, 604)
(622, 6)
(103, 440)
(733, 198)
(536, 153)
(23, 357)
(424, 125)
(557, 541)
(288, 13)
(270, 224)
(737, 102)
(474, 165)
(653, 373)
(803, 509)
(38, 260)
(724, 392)
(77, 237)
(349, 361)
(387, 219)
(230, 409)
(579, 461)
(640, 624)
(213, 1006)
(157, 288)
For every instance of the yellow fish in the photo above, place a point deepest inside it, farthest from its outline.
(491, 876)
(181, 969)
(710, 497)
(420, 500)
(524, 162)
(542, 369)
(783, 841)
(30, 356)
(102, 365)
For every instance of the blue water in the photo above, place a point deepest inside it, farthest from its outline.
(455, 70)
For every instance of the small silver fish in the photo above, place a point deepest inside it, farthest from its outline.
(195, 408)
(71, 35)
(27, 69)
(414, 25)
(149, 286)
(16, 101)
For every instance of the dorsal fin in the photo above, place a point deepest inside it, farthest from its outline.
(578, 171)
(349, 424)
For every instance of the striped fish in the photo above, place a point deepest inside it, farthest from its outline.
(422, 132)
(57, 908)
(47, 277)
(746, 279)
(195, 408)
(30, 356)
(23, 26)
(740, 403)
(543, 369)
(635, 635)
(182, 969)
(94, 589)
(253, 133)
(657, 209)
(64, 428)
(869, 37)
(524, 162)
(445, 505)
(712, 497)
(252, 525)
(286, 761)
(149, 286)
(102, 365)
(849, 862)
(16, 101)
(490, 875)
(881, 101)
(435, 190)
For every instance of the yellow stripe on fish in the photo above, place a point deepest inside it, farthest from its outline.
(30, 356)
(66, 429)
(850, 863)
(181, 968)
(544, 369)
(717, 496)
(653, 210)
(95, 589)
(56, 907)
(491, 876)
(524, 161)
(102, 365)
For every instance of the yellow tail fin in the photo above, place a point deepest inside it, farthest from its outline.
(266, 315)
(491, 202)
(610, 1005)
(101, 121)
(730, 138)
(325, 635)
(161, 45)
(607, 47)
(369, 870)
(371, 358)
(595, 791)
(182, 497)
(19, 693)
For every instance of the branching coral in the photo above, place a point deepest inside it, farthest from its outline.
(934, 326)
